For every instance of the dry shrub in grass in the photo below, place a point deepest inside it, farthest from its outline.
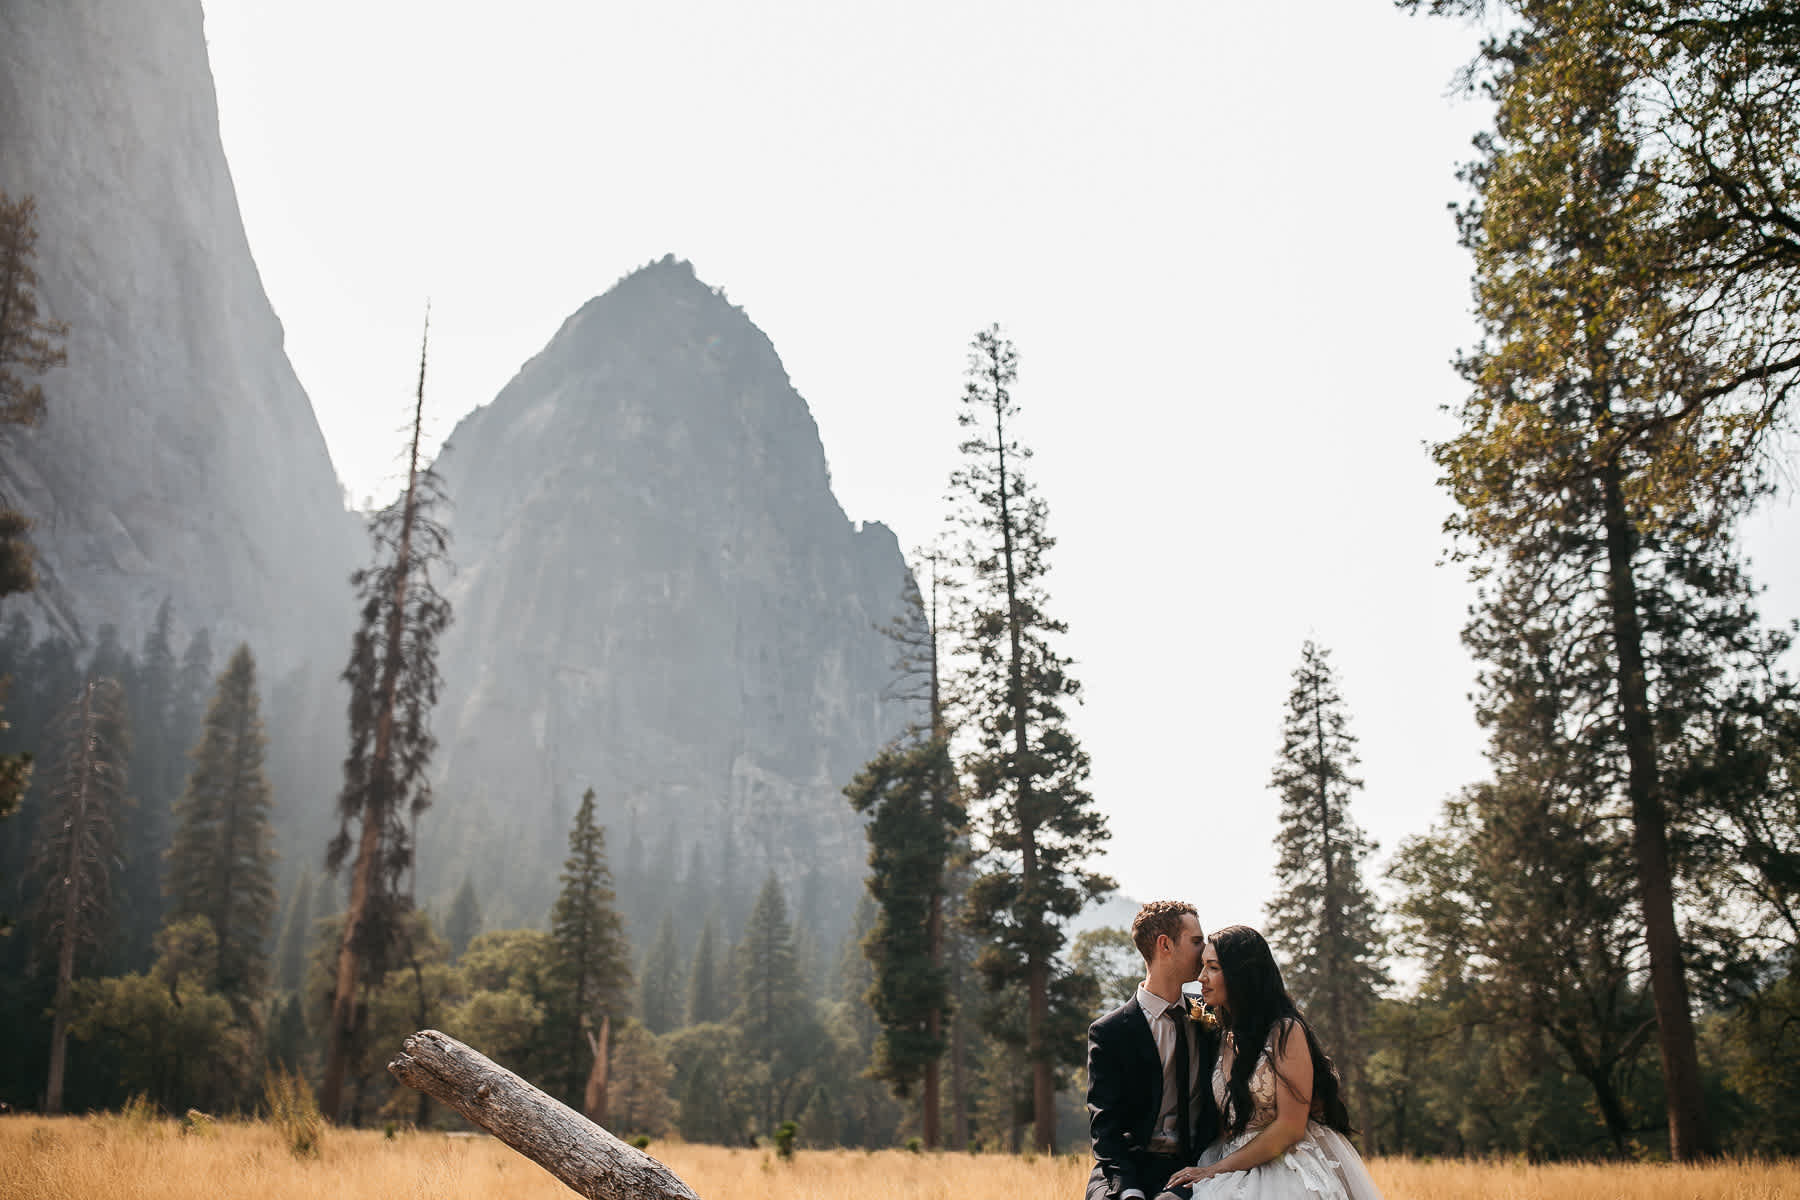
(73, 1158)
(294, 1112)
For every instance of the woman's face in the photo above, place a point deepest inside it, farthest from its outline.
(1212, 980)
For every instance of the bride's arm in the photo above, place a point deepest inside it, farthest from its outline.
(1293, 1106)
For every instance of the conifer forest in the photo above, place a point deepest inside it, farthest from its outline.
(230, 881)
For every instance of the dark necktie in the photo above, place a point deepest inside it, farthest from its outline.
(1183, 1068)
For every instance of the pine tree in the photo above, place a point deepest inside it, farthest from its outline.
(1581, 430)
(774, 1013)
(30, 345)
(909, 788)
(593, 959)
(393, 678)
(76, 850)
(464, 921)
(1521, 901)
(1027, 774)
(296, 936)
(221, 861)
(708, 999)
(157, 762)
(1324, 916)
(662, 996)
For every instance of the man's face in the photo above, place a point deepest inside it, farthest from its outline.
(1186, 952)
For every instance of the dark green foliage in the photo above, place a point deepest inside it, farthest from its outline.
(464, 921)
(393, 679)
(908, 791)
(1026, 773)
(662, 1001)
(287, 1043)
(176, 1039)
(158, 766)
(76, 854)
(715, 1085)
(30, 345)
(1323, 915)
(592, 965)
(221, 862)
(775, 1014)
(708, 996)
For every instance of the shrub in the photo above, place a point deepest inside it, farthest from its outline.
(294, 1112)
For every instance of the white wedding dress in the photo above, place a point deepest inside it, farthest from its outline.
(1322, 1165)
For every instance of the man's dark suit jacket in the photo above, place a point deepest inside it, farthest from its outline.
(1125, 1095)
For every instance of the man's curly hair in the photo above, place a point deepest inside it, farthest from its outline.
(1156, 919)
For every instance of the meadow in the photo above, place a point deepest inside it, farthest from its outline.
(78, 1158)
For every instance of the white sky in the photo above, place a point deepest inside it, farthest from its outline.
(1216, 231)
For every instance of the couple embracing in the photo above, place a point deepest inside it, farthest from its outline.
(1231, 1100)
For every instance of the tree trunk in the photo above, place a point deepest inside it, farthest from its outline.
(959, 1076)
(378, 799)
(74, 879)
(584, 1156)
(593, 1096)
(1690, 1136)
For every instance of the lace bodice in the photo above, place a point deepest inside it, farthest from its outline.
(1262, 1088)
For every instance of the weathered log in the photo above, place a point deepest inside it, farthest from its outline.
(556, 1137)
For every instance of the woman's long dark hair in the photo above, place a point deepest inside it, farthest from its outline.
(1256, 1002)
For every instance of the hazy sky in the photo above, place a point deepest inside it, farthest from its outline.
(1216, 232)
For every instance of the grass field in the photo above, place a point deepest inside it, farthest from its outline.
(81, 1158)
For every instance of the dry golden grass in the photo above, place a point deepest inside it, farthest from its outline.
(81, 1158)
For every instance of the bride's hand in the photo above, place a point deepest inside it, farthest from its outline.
(1189, 1175)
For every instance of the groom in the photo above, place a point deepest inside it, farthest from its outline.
(1150, 1107)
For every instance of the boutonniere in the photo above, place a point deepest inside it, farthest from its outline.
(1204, 1017)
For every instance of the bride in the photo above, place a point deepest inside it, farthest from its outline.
(1283, 1121)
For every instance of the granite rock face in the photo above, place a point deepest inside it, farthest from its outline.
(661, 599)
(657, 594)
(180, 456)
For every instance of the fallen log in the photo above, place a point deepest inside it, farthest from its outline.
(590, 1160)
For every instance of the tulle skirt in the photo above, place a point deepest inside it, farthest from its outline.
(1320, 1166)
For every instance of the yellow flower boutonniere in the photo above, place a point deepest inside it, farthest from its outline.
(1204, 1017)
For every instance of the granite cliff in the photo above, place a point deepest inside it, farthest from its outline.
(657, 594)
(660, 598)
(180, 457)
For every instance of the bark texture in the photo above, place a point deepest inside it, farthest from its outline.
(584, 1156)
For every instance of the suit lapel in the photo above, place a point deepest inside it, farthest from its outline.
(1144, 1043)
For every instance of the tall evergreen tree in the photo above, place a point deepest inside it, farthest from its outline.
(775, 1015)
(221, 862)
(1579, 432)
(708, 999)
(911, 835)
(464, 921)
(663, 997)
(77, 849)
(592, 966)
(1027, 774)
(909, 788)
(157, 762)
(393, 678)
(1324, 915)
